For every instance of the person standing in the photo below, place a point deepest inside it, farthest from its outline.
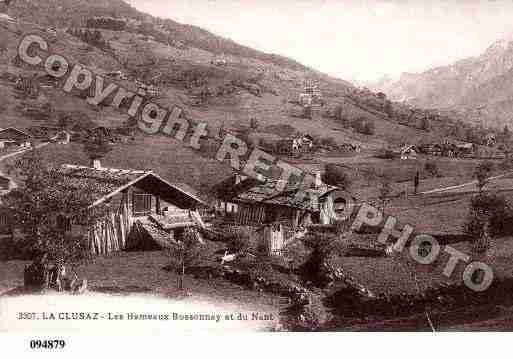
(416, 181)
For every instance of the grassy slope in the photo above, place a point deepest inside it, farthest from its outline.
(234, 112)
(142, 272)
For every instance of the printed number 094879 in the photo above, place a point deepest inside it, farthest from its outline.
(47, 344)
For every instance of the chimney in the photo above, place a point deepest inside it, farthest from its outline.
(97, 164)
(318, 180)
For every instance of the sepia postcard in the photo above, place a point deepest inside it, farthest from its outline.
(239, 166)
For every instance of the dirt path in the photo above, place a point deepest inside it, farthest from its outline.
(474, 182)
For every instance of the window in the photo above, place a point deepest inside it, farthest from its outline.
(141, 203)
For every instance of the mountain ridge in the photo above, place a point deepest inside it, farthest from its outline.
(477, 87)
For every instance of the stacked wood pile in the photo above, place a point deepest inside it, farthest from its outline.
(110, 234)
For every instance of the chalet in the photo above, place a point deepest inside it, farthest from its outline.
(148, 89)
(260, 203)
(43, 132)
(12, 137)
(47, 81)
(490, 140)
(117, 75)
(408, 152)
(107, 133)
(62, 137)
(5, 183)
(145, 210)
(432, 149)
(52, 31)
(293, 145)
(465, 149)
(219, 62)
(279, 216)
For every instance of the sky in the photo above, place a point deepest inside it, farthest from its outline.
(357, 40)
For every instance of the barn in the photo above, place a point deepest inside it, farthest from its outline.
(145, 211)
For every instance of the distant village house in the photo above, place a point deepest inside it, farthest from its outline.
(12, 137)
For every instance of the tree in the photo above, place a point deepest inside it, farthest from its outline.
(384, 190)
(481, 174)
(97, 37)
(97, 146)
(487, 218)
(334, 175)
(63, 120)
(431, 168)
(424, 123)
(253, 124)
(339, 116)
(368, 128)
(240, 241)
(324, 246)
(43, 209)
(506, 134)
(186, 253)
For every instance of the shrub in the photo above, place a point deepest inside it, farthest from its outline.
(431, 169)
(339, 115)
(324, 246)
(240, 242)
(327, 142)
(506, 164)
(241, 239)
(424, 124)
(368, 128)
(363, 126)
(386, 154)
(482, 172)
(488, 211)
(336, 176)
(282, 130)
(253, 124)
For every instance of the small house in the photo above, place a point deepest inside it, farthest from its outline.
(432, 149)
(466, 149)
(5, 183)
(490, 140)
(145, 211)
(279, 216)
(260, 203)
(12, 137)
(408, 152)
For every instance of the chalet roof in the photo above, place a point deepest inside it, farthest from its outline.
(15, 130)
(253, 191)
(107, 182)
